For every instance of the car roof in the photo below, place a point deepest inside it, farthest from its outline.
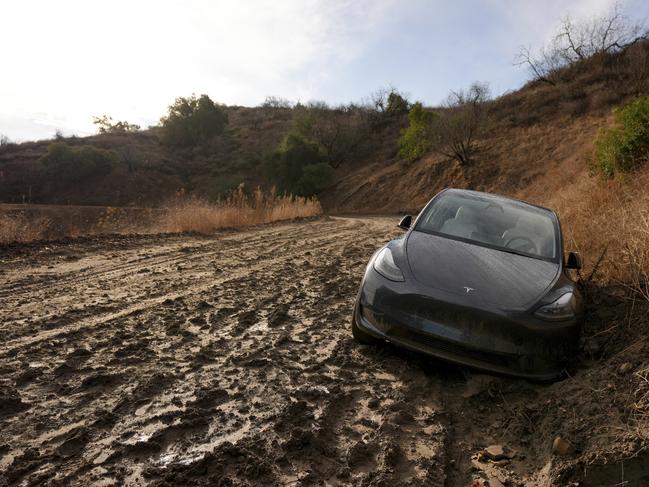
(495, 196)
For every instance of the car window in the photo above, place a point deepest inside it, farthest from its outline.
(500, 223)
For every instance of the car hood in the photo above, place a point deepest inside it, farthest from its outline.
(503, 280)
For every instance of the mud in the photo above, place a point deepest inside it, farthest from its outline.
(228, 360)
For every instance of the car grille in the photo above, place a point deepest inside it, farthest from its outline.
(428, 341)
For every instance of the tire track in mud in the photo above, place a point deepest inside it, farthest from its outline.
(176, 254)
(151, 279)
(245, 375)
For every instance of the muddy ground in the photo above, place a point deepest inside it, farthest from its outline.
(228, 360)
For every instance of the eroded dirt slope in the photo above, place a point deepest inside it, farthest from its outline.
(228, 360)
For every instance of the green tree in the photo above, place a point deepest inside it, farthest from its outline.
(624, 146)
(191, 121)
(397, 103)
(415, 141)
(298, 167)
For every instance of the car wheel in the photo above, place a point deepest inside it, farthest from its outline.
(360, 336)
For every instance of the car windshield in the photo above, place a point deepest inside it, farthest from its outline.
(500, 223)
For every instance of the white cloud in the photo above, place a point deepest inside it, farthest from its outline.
(73, 59)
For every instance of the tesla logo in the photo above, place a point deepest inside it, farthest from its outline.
(468, 289)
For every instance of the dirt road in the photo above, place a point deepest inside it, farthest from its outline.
(156, 359)
(228, 360)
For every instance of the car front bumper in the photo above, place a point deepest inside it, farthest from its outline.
(512, 343)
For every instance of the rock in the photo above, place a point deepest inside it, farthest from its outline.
(494, 482)
(495, 452)
(562, 447)
(625, 368)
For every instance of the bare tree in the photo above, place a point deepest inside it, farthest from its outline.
(636, 65)
(459, 122)
(575, 41)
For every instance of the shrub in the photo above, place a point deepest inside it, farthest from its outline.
(76, 163)
(106, 125)
(397, 103)
(415, 141)
(191, 121)
(315, 178)
(341, 132)
(624, 146)
(298, 166)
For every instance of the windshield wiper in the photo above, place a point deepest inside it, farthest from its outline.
(517, 252)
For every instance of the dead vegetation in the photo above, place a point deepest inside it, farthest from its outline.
(185, 214)
(608, 222)
(21, 228)
(181, 214)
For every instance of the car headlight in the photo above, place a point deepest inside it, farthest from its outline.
(562, 309)
(384, 265)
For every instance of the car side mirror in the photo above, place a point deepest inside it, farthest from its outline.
(405, 222)
(573, 261)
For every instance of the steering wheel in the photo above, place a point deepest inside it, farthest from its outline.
(530, 243)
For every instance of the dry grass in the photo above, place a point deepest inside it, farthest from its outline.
(185, 214)
(610, 219)
(182, 214)
(19, 227)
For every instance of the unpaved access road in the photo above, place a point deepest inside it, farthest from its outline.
(221, 360)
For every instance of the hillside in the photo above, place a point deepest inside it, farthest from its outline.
(530, 136)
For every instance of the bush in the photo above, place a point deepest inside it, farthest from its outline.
(415, 141)
(192, 121)
(298, 167)
(624, 146)
(397, 103)
(76, 163)
(106, 125)
(341, 132)
(315, 178)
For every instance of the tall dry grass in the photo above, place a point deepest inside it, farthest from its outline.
(608, 222)
(185, 214)
(181, 214)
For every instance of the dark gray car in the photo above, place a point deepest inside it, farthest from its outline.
(478, 279)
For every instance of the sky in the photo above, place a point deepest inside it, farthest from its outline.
(65, 61)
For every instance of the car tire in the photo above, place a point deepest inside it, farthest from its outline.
(361, 336)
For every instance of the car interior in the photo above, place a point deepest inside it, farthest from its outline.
(501, 224)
